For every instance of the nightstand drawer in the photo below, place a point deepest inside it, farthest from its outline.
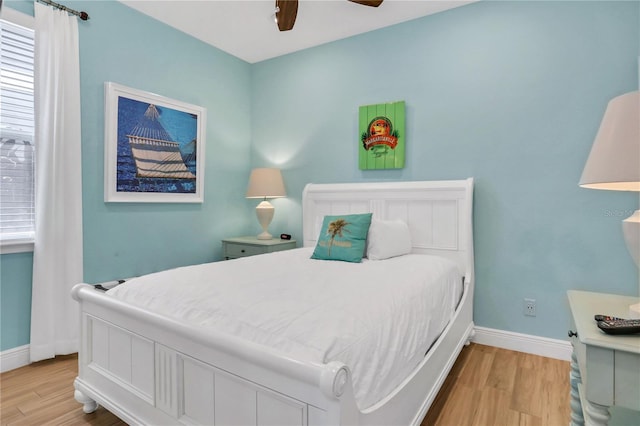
(242, 250)
(234, 248)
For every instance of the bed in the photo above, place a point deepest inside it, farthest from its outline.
(151, 361)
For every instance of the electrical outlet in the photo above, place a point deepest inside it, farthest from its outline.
(529, 307)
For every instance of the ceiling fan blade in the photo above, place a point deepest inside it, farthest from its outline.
(286, 12)
(372, 3)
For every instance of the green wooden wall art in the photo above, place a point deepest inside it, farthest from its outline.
(382, 136)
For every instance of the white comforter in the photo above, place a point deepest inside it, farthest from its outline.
(377, 317)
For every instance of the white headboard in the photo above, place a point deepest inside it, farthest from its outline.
(439, 213)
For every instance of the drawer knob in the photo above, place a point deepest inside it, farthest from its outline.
(242, 251)
(572, 333)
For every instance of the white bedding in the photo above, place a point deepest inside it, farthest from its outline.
(377, 317)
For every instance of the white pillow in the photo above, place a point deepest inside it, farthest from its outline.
(388, 238)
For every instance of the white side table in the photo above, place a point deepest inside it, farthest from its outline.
(605, 369)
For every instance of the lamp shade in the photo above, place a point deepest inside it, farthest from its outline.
(266, 183)
(614, 164)
(614, 161)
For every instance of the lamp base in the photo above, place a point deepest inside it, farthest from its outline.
(264, 212)
(265, 236)
(631, 231)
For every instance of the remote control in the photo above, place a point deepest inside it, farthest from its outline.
(600, 317)
(620, 326)
(108, 285)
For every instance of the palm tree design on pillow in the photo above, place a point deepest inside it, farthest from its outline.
(336, 228)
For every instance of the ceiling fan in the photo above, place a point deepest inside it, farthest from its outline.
(287, 10)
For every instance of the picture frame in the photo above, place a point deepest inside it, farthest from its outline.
(154, 148)
(382, 141)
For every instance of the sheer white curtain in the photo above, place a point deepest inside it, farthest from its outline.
(57, 256)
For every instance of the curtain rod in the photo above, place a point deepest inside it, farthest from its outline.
(82, 15)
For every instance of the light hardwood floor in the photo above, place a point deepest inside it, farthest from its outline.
(486, 387)
(489, 386)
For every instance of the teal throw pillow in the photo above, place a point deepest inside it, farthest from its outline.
(343, 237)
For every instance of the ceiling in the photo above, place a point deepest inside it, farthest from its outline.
(246, 28)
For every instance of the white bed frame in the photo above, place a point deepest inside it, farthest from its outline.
(149, 369)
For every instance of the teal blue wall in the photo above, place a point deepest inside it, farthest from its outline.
(510, 93)
(15, 299)
(121, 239)
(124, 46)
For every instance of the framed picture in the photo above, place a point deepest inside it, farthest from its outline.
(154, 148)
(382, 136)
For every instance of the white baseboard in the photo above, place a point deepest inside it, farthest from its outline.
(14, 358)
(543, 346)
(536, 345)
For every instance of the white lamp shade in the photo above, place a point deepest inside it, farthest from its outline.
(266, 183)
(614, 161)
(614, 164)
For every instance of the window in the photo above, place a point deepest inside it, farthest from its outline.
(17, 166)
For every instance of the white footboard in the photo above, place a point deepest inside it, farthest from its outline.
(148, 369)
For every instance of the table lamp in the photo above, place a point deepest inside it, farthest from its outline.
(614, 164)
(265, 183)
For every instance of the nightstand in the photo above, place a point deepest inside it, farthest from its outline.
(605, 369)
(233, 248)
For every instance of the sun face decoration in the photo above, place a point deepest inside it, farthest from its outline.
(380, 126)
(380, 136)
